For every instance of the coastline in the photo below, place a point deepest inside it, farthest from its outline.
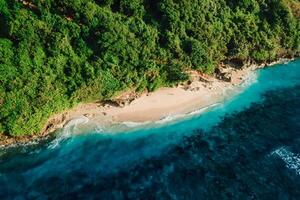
(202, 91)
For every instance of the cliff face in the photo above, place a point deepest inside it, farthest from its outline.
(56, 54)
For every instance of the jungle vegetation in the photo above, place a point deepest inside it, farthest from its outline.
(55, 54)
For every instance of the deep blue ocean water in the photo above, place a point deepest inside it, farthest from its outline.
(247, 147)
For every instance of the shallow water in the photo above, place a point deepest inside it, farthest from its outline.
(247, 147)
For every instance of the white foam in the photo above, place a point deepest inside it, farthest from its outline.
(169, 118)
(195, 112)
(67, 131)
(74, 122)
(291, 159)
(135, 124)
(250, 79)
(98, 128)
(201, 110)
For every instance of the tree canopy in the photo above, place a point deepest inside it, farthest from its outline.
(55, 54)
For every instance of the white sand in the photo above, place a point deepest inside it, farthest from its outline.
(156, 105)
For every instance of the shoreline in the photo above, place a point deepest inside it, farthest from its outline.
(201, 92)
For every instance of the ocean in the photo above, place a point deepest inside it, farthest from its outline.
(245, 147)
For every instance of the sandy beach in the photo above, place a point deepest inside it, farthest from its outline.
(154, 106)
(200, 92)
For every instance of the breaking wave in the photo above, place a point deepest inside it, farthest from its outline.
(291, 159)
(251, 78)
(169, 118)
(68, 130)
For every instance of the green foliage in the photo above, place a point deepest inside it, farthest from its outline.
(55, 54)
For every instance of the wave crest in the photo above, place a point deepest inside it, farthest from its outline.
(291, 159)
(168, 118)
(69, 128)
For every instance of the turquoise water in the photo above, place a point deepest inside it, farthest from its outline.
(247, 147)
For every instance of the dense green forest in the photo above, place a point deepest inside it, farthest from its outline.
(55, 54)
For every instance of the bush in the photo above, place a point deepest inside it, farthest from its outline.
(55, 54)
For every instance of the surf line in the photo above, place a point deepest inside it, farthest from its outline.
(292, 160)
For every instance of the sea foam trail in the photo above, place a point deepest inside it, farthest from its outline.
(291, 159)
(170, 118)
(68, 129)
(250, 79)
(201, 110)
(135, 124)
